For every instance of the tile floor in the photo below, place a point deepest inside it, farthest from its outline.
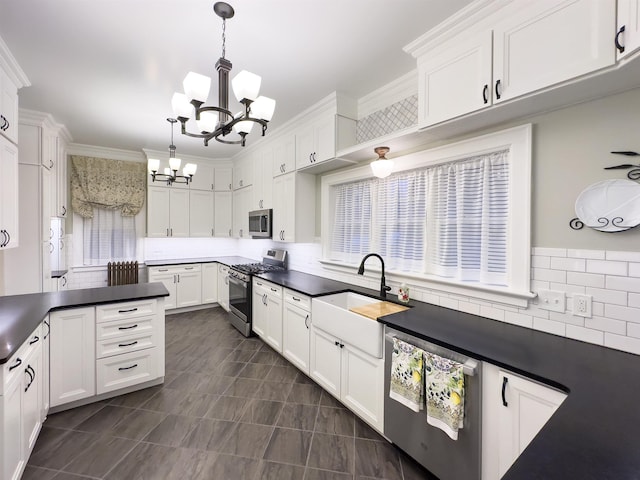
(230, 408)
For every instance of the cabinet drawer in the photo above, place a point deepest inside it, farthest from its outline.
(298, 299)
(271, 289)
(125, 327)
(125, 370)
(131, 343)
(124, 310)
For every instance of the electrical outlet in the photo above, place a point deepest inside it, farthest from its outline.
(582, 305)
(551, 300)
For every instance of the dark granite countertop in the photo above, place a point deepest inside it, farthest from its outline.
(228, 260)
(593, 433)
(20, 314)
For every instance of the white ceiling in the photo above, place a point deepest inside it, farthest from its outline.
(107, 68)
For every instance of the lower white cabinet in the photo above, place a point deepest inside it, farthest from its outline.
(46, 348)
(123, 370)
(514, 410)
(72, 355)
(267, 312)
(184, 283)
(354, 377)
(296, 321)
(209, 282)
(223, 286)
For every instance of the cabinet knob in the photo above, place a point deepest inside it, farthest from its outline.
(619, 46)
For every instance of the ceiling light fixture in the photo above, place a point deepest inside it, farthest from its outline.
(188, 171)
(381, 167)
(246, 85)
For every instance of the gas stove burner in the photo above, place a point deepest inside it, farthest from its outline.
(252, 268)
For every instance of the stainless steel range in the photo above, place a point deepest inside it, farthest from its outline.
(240, 286)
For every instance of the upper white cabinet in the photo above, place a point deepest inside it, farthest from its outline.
(514, 410)
(318, 141)
(243, 171)
(241, 206)
(223, 216)
(204, 177)
(284, 155)
(294, 197)
(628, 32)
(8, 107)
(223, 179)
(201, 213)
(9, 232)
(167, 212)
(262, 179)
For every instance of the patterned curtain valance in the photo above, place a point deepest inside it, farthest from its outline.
(107, 184)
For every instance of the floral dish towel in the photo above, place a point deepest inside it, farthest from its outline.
(407, 386)
(444, 393)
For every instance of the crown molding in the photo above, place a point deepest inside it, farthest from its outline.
(105, 152)
(392, 92)
(10, 65)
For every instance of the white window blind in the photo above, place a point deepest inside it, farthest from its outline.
(352, 223)
(108, 236)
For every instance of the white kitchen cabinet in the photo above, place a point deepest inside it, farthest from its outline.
(167, 212)
(204, 177)
(201, 213)
(223, 214)
(46, 348)
(72, 355)
(223, 286)
(296, 322)
(294, 198)
(284, 155)
(354, 377)
(32, 395)
(49, 154)
(267, 312)
(514, 410)
(209, 282)
(223, 179)
(9, 231)
(262, 195)
(63, 283)
(184, 283)
(628, 30)
(241, 206)
(8, 108)
(316, 142)
(243, 171)
(61, 179)
(11, 447)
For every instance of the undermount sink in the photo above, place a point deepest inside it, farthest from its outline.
(331, 314)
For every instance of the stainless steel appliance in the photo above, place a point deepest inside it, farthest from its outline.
(260, 223)
(446, 458)
(240, 286)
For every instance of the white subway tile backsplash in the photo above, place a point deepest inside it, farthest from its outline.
(634, 269)
(548, 275)
(490, 312)
(619, 342)
(634, 300)
(536, 311)
(606, 324)
(449, 303)
(568, 264)
(597, 309)
(593, 254)
(585, 334)
(586, 279)
(633, 330)
(623, 256)
(603, 295)
(623, 283)
(628, 314)
(549, 326)
(539, 261)
(519, 319)
(537, 285)
(469, 307)
(550, 252)
(567, 318)
(607, 267)
(432, 298)
(566, 287)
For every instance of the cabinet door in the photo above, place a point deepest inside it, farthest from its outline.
(46, 340)
(284, 208)
(169, 280)
(223, 179)
(178, 213)
(551, 41)
(203, 179)
(200, 213)
(61, 179)
(284, 155)
(158, 212)
(362, 387)
(209, 282)
(457, 81)
(295, 335)
(262, 180)
(189, 288)
(9, 107)
(11, 413)
(259, 322)
(223, 214)
(628, 32)
(324, 363)
(9, 194)
(32, 399)
(223, 286)
(274, 320)
(241, 201)
(305, 147)
(325, 138)
(72, 355)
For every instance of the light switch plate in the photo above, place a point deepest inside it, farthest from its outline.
(551, 300)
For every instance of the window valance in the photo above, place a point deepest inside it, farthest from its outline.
(107, 184)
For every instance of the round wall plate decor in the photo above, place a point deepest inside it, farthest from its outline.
(610, 205)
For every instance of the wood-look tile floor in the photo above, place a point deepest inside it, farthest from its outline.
(230, 408)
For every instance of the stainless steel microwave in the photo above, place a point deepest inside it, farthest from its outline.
(260, 223)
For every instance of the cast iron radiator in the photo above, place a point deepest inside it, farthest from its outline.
(122, 273)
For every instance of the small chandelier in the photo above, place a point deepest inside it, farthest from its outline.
(381, 167)
(170, 174)
(218, 122)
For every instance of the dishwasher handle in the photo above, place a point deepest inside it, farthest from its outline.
(469, 367)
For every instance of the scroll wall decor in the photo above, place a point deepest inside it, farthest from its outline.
(610, 205)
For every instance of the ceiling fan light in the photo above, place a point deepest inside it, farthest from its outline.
(181, 106)
(189, 169)
(174, 163)
(196, 86)
(153, 164)
(263, 108)
(243, 127)
(246, 85)
(207, 122)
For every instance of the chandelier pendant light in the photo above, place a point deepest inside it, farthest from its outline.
(381, 167)
(218, 122)
(170, 174)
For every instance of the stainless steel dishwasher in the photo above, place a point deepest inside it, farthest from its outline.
(431, 447)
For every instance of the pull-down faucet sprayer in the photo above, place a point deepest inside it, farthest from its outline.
(383, 288)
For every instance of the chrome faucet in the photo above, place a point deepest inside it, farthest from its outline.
(383, 288)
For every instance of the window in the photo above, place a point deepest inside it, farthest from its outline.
(453, 218)
(107, 237)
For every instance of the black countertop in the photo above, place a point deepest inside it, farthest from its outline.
(593, 433)
(229, 261)
(20, 314)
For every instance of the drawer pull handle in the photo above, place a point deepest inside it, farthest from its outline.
(28, 371)
(274, 290)
(295, 299)
(16, 365)
(619, 46)
(485, 92)
(188, 268)
(163, 269)
(127, 344)
(128, 328)
(498, 89)
(128, 368)
(35, 339)
(505, 380)
(306, 321)
(129, 310)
